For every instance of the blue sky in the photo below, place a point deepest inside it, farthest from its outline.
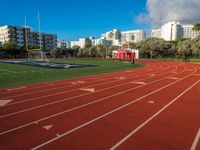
(71, 19)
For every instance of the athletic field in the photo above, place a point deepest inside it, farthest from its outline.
(12, 75)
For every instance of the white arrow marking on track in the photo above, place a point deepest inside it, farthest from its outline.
(48, 127)
(4, 102)
(139, 83)
(88, 89)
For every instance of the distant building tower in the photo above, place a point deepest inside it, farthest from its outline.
(188, 31)
(171, 31)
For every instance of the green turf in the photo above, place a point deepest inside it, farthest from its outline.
(15, 75)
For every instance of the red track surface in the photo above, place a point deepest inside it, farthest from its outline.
(154, 107)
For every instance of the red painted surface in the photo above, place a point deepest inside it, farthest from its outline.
(101, 119)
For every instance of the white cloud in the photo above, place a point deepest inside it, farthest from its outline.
(161, 11)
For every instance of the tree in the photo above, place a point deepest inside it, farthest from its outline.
(133, 38)
(10, 46)
(185, 48)
(76, 47)
(88, 43)
(196, 27)
(152, 47)
(111, 34)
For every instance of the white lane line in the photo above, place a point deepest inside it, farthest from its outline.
(22, 101)
(196, 140)
(8, 71)
(18, 88)
(62, 100)
(75, 108)
(174, 78)
(152, 117)
(102, 116)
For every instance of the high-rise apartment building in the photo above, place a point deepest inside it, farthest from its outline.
(188, 31)
(12, 34)
(117, 36)
(133, 36)
(156, 33)
(24, 37)
(173, 31)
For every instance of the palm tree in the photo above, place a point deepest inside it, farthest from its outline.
(197, 27)
(111, 34)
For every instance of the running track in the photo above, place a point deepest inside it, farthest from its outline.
(154, 107)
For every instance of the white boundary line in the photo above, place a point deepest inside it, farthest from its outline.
(151, 118)
(8, 71)
(119, 108)
(196, 140)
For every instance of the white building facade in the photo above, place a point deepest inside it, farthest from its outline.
(173, 31)
(133, 36)
(81, 43)
(12, 34)
(156, 33)
(188, 32)
(116, 36)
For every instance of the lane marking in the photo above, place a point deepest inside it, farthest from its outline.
(47, 127)
(151, 75)
(104, 115)
(18, 88)
(174, 78)
(4, 102)
(120, 78)
(77, 82)
(142, 83)
(152, 117)
(88, 89)
(151, 102)
(8, 71)
(196, 140)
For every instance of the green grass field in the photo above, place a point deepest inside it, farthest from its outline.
(12, 75)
